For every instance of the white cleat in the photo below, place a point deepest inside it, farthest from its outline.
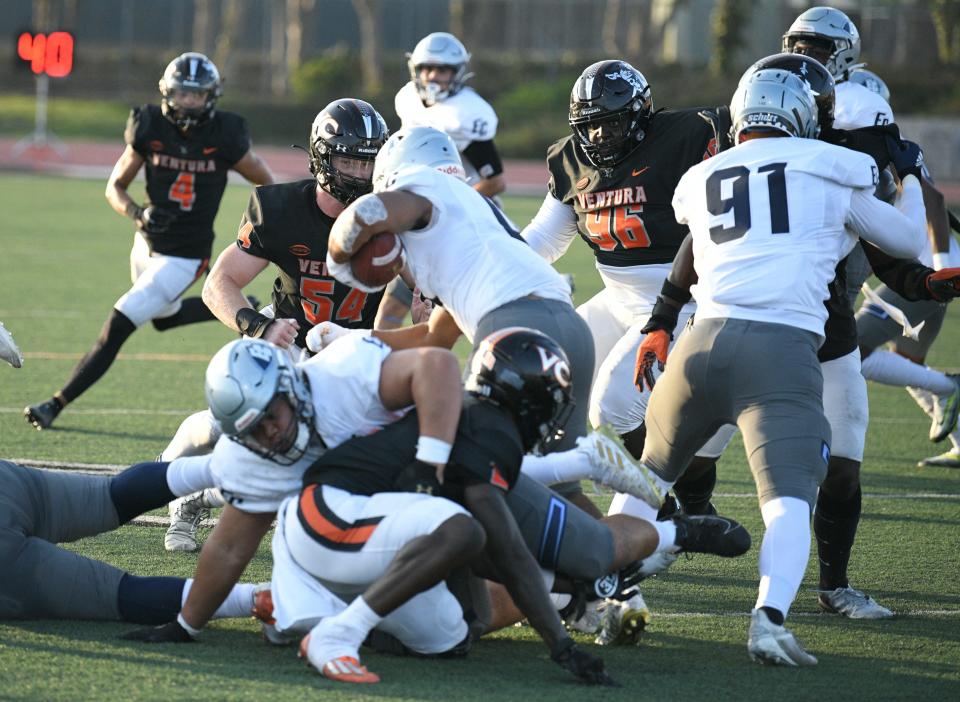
(9, 351)
(950, 459)
(616, 468)
(946, 410)
(186, 513)
(591, 620)
(623, 622)
(772, 644)
(852, 603)
(657, 563)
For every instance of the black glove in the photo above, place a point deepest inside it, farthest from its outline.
(152, 219)
(587, 668)
(906, 157)
(165, 633)
(418, 477)
(944, 284)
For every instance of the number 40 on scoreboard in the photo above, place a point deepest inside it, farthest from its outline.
(47, 54)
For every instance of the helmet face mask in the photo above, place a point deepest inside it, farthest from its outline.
(610, 106)
(812, 72)
(251, 383)
(345, 129)
(416, 146)
(827, 35)
(190, 74)
(527, 373)
(443, 50)
(774, 99)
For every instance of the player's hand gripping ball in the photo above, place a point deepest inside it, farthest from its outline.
(378, 261)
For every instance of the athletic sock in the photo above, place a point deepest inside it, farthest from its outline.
(784, 552)
(892, 369)
(694, 495)
(192, 310)
(139, 489)
(239, 601)
(149, 600)
(560, 467)
(835, 525)
(667, 531)
(116, 330)
(925, 399)
(630, 505)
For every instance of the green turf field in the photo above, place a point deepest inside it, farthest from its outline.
(65, 263)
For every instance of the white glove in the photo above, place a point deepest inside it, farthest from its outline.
(343, 273)
(325, 333)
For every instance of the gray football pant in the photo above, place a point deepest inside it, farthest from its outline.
(38, 579)
(763, 377)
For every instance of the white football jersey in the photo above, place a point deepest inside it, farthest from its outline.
(466, 256)
(858, 107)
(767, 219)
(345, 388)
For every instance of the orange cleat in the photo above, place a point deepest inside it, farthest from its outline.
(345, 669)
(263, 605)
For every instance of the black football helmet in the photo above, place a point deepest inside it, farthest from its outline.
(351, 129)
(190, 72)
(610, 101)
(814, 73)
(526, 372)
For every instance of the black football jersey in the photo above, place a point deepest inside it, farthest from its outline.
(186, 174)
(284, 225)
(625, 213)
(487, 449)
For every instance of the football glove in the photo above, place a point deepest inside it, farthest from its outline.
(151, 220)
(325, 333)
(587, 668)
(343, 272)
(171, 632)
(653, 349)
(944, 284)
(906, 157)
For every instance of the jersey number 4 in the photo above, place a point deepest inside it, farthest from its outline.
(316, 297)
(739, 200)
(618, 226)
(182, 191)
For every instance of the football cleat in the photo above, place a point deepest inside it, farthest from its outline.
(342, 669)
(852, 603)
(950, 459)
(623, 622)
(772, 644)
(720, 536)
(945, 412)
(42, 414)
(590, 621)
(9, 351)
(186, 513)
(616, 468)
(263, 604)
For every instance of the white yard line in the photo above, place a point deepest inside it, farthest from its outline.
(165, 357)
(113, 411)
(804, 615)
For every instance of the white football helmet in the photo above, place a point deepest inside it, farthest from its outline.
(416, 146)
(438, 49)
(833, 28)
(242, 380)
(774, 98)
(870, 81)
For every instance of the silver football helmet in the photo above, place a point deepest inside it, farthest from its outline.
(870, 81)
(774, 99)
(834, 30)
(242, 380)
(416, 146)
(439, 49)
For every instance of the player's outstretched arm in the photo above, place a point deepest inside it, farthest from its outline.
(373, 214)
(254, 169)
(441, 330)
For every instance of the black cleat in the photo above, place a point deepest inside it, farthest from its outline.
(706, 534)
(42, 415)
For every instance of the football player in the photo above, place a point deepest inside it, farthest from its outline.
(762, 371)
(187, 147)
(437, 97)
(828, 35)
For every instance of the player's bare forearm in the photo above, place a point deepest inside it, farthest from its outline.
(938, 222)
(124, 171)
(222, 291)
(372, 214)
(225, 555)
(254, 169)
(441, 330)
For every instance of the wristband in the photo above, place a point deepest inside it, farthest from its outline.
(941, 260)
(675, 292)
(186, 627)
(431, 450)
(133, 211)
(251, 323)
(663, 317)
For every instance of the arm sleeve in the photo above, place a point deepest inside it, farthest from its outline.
(899, 230)
(484, 157)
(552, 229)
(905, 277)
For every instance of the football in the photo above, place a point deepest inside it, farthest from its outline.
(378, 261)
